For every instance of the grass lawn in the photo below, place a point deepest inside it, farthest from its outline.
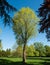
(29, 61)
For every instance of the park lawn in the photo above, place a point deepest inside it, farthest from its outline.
(38, 59)
(29, 61)
(12, 59)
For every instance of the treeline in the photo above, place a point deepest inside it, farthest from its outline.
(37, 49)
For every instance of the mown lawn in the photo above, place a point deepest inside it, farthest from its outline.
(29, 61)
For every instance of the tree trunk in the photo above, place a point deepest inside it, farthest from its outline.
(24, 47)
(24, 53)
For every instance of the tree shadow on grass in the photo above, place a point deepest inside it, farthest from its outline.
(41, 63)
(48, 62)
(8, 62)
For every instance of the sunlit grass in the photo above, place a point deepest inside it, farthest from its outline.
(34, 60)
(12, 59)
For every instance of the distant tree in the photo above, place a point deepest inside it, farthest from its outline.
(47, 50)
(30, 50)
(19, 51)
(3, 53)
(5, 8)
(44, 13)
(0, 53)
(8, 52)
(36, 53)
(40, 48)
(0, 45)
(25, 26)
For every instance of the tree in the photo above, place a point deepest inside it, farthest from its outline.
(47, 48)
(8, 52)
(5, 8)
(30, 50)
(25, 26)
(40, 48)
(44, 13)
(3, 53)
(36, 53)
(0, 45)
(0, 53)
(17, 52)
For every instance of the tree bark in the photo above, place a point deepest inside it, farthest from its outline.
(24, 47)
(24, 53)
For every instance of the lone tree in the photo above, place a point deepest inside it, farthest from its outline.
(25, 26)
(5, 9)
(44, 13)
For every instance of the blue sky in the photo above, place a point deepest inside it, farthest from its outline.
(7, 36)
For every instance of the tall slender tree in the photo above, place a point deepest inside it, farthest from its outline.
(44, 13)
(25, 26)
(5, 8)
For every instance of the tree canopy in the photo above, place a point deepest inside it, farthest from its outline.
(25, 23)
(5, 9)
(44, 13)
(40, 47)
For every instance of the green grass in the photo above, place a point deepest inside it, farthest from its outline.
(29, 61)
(12, 59)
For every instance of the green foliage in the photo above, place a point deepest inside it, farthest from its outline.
(3, 53)
(44, 13)
(8, 52)
(17, 52)
(30, 50)
(47, 50)
(0, 45)
(40, 48)
(25, 24)
(5, 10)
(36, 53)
